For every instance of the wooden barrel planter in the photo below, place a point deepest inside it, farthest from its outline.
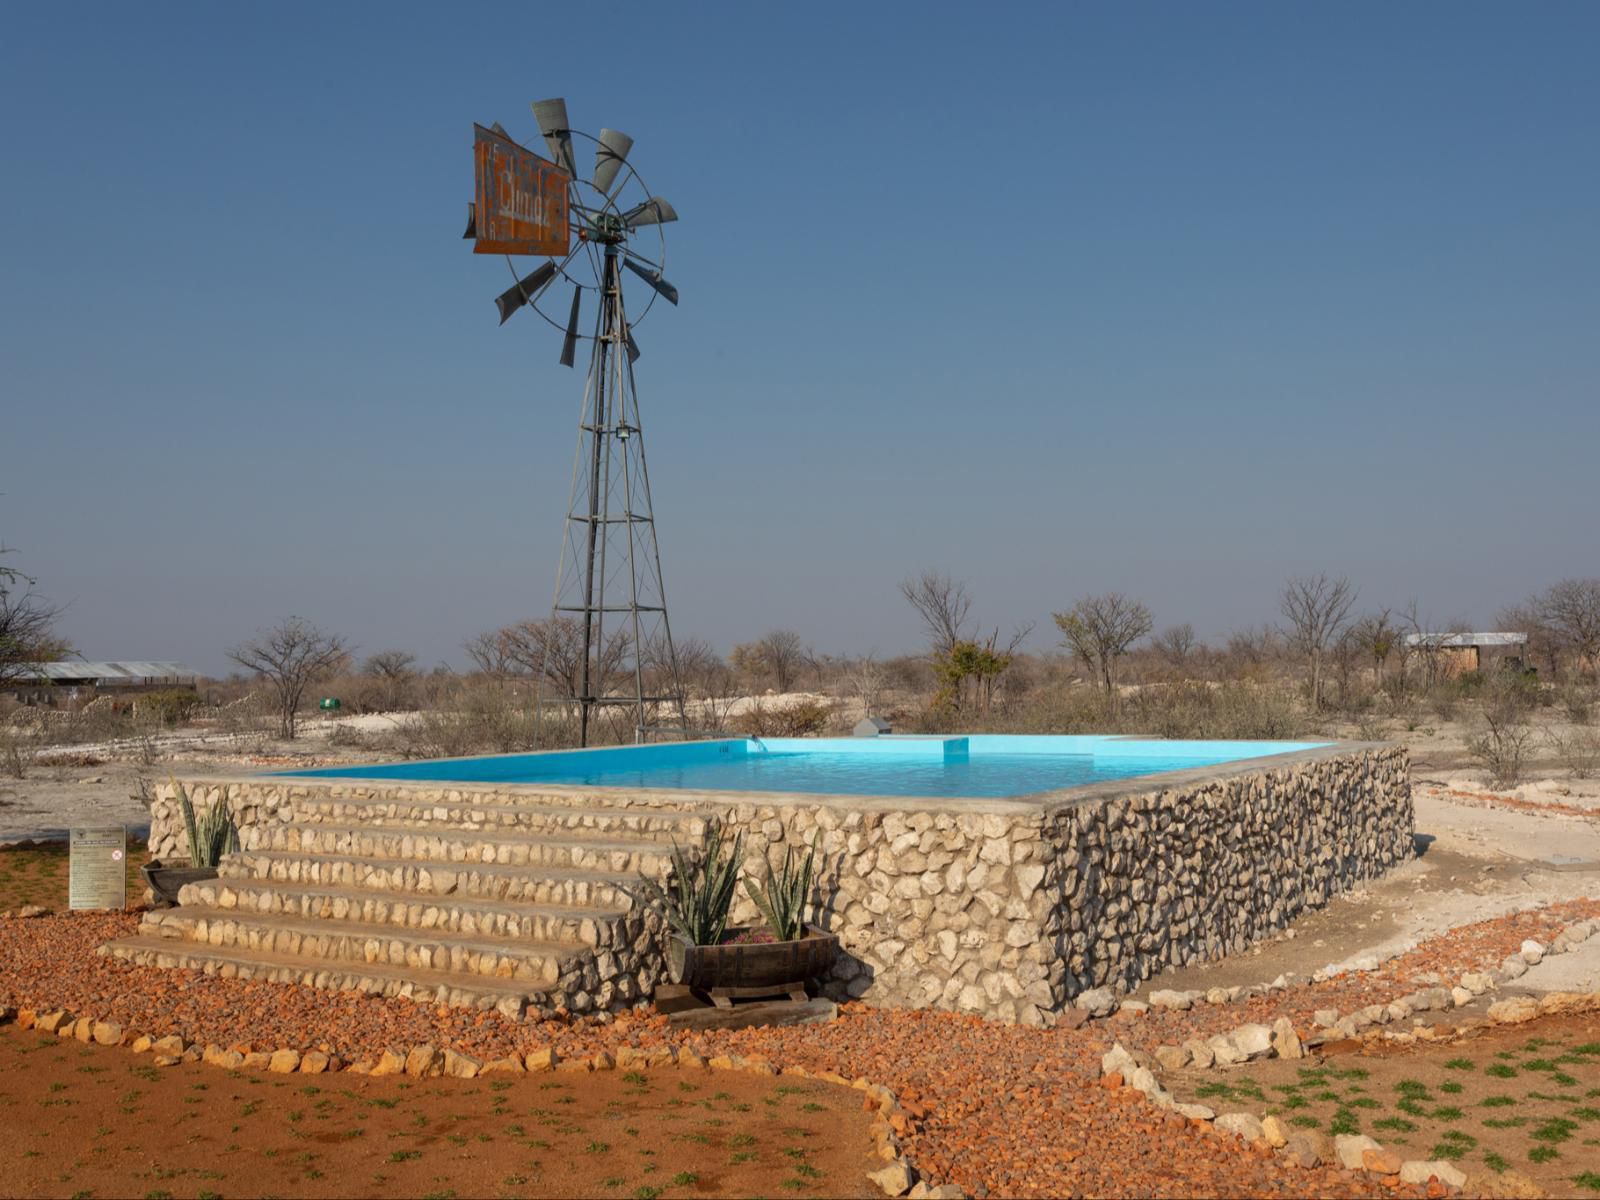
(166, 882)
(745, 969)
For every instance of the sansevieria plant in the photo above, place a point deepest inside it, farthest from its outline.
(699, 893)
(783, 900)
(212, 834)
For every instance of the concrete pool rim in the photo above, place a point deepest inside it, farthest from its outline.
(1039, 802)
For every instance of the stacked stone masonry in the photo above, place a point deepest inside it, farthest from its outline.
(1005, 908)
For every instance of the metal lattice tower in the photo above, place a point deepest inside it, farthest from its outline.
(609, 625)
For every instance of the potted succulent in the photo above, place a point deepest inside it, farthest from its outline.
(709, 956)
(211, 835)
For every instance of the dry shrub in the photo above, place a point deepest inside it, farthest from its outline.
(1577, 702)
(802, 718)
(1505, 739)
(1192, 709)
(486, 716)
(1578, 752)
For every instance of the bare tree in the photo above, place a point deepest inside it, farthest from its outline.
(1317, 609)
(292, 655)
(488, 652)
(395, 669)
(868, 680)
(1572, 609)
(1376, 636)
(943, 605)
(554, 648)
(27, 626)
(1101, 629)
(1175, 643)
(779, 655)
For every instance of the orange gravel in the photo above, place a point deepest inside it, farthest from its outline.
(997, 1110)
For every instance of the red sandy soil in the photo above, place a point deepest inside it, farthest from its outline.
(89, 1120)
(997, 1110)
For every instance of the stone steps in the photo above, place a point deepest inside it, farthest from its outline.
(423, 986)
(486, 881)
(421, 843)
(442, 816)
(466, 915)
(460, 901)
(533, 963)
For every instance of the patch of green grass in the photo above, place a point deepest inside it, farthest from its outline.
(1589, 1181)
(1362, 1102)
(1447, 1112)
(1500, 1071)
(1412, 1087)
(1538, 1064)
(1460, 1064)
(637, 1078)
(1504, 1122)
(1411, 1106)
(1564, 1079)
(597, 1147)
(400, 1156)
(1495, 1163)
(742, 1156)
(685, 1179)
(645, 1192)
(1585, 1114)
(1499, 1100)
(1554, 1130)
(1344, 1121)
(1451, 1088)
(742, 1139)
(1397, 1124)
(1543, 1154)
(1587, 1050)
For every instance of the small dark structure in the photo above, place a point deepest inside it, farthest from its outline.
(872, 727)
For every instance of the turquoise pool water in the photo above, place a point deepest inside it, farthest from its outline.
(976, 766)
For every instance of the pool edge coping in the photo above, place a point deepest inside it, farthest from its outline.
(1044, 803)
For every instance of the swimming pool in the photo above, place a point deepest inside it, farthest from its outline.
(976, 766)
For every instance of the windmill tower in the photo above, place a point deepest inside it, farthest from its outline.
(608, 649)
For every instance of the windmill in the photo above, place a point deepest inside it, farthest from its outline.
(600, 234)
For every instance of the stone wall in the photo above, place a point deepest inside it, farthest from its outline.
(1012, 908)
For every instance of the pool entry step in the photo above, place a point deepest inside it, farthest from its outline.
(475, 904)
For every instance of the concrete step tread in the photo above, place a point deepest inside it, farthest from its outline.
(499, 835)
(520, 908)
(317, 927)
(499, 808)
(197, 957)
(533, 870)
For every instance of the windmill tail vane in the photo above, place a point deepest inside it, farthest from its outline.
(610, 610)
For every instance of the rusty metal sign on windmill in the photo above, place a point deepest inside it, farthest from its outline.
(595, 233)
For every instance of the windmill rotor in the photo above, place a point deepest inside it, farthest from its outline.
(587, 228)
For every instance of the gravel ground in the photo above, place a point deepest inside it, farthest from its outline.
(999, 1110)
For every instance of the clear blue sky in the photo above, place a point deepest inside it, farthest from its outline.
(1171, 299)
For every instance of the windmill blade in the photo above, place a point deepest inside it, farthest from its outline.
(609, 156)
(653, 278)
(524, 290)
(633, 346)
(654, 211)
(552, 118)
(472, 220)
(569, 344)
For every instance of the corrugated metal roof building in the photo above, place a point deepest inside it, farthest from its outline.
(45, 681)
